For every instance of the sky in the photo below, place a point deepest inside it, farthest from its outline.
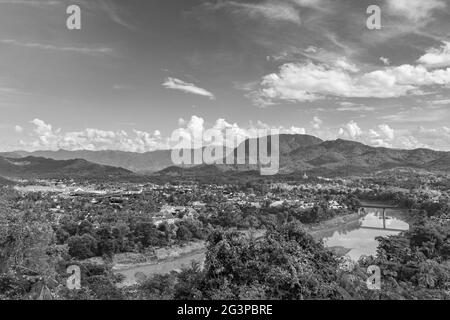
(140, 69)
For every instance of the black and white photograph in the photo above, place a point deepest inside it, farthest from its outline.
(224, 150)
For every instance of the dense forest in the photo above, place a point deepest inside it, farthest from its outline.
(37, 246)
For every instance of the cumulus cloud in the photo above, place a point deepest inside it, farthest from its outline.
(386, 61)
(384, 135)
(344, 64)
(18, 129)
(380, 136)
(45, 137)
(316, 79)
(439, 57)
(309, 82)
(435, 138)
(177, 84)
(295, 130)
(350, 131)
(192, 132)
(195, 133)
(387, 131)
(316, 123)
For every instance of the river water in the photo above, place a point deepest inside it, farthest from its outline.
(352, 238)
(358, 238)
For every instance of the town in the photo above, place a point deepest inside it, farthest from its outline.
(135, 229)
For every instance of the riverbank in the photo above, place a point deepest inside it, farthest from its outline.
(169, 259)
(319, 230)
(175, 258)
(159, 267)
(358, 238)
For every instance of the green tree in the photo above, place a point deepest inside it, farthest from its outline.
(82, 247)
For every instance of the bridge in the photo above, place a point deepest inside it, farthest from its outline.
(381, 207)
(384, 228)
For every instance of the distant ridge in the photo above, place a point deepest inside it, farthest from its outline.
(137, 162)
(298, 153)
(5, 182)
(35, 167)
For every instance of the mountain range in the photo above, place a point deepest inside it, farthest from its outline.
(5, 182)
(308, 154)
(298, 153)
(137, 162)
(34, 167)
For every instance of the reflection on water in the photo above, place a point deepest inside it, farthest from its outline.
(359, 237)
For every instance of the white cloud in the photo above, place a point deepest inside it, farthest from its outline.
(343, 64)
(378, 137)
(309, 81)
(383, 135)
(82, 50)
(311, 49)
(18, 129)
(114, 12)
(38, 3)
(437, 56)
(196, 125)
(316, 123)
(307, 3)
(5, 90)
(434, 138)
(177, 84)
(351, 130)
(417, 115)
(44, 137)
(193, 132)
(181, 122)
(271, 10)
(295, 130)
(387, 131)
(386, 61)
(415, 10)
(442, 102)
(122, 87)
(44, 132)
(354, 107)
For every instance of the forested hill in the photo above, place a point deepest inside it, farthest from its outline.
(33, 167)
(298, 153)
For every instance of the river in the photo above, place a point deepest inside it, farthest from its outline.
(353, 239)
(358, 238)
(162, 267)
